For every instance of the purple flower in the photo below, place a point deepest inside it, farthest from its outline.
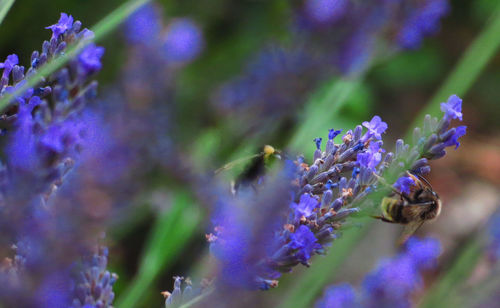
(55, 291)
(95, 283)
(423, 252)
(452, 108)
(372, 157)
(332, 133)
(453, 139)
(338, 296)
(317, 141)
(376, 127)
(305, 207)
(423, 21)
(356, 52)
(403, 184)
(8, 65)
(90, 59)
(392, 282)
(305, 242)
(64, 23)
(144, 25)
(325, 11)
(183, 41)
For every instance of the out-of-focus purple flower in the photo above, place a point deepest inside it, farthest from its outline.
(392, 283)
(180, 295)
(325, 11)
(94, 286)
(403, 184)
(144, 25)
(494, 237)
(41, 137)
(65, 22)
(452, 108)
(245, 234)
(273, 83)
(55, 291)
(376, 127)
(394, 280)
(182, 41)
(423, 252)
(356, 52)
(338, 296)
(90, 59)
(424, 20)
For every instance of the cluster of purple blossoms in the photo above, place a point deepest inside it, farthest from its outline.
(254, 249)
(43, 133)
(391, 283)
(114, 135)
(179, 42)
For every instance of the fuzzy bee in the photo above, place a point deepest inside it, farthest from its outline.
(254, 169)
(420, 205)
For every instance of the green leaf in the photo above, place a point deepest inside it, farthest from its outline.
(171, 232)
(5, 6)
(101, 29)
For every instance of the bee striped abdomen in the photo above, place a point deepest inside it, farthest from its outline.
(392, 210)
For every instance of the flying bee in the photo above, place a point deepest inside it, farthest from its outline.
(420, 205)
(254, 169)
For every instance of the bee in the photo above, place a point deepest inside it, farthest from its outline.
(254, 169)
(420, 205)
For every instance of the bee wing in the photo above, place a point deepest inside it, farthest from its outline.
(408, 231)
(237, 162)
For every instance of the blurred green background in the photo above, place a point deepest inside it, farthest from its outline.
(396, 89)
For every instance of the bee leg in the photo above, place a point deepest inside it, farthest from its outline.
(383, 219)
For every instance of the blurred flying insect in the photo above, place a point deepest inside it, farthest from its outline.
(254, 169)
(420, 205)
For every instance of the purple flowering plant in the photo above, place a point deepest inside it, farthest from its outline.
(89, 179)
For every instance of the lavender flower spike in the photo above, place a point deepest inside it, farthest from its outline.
(392, 283)
(181, 296)
(94, 288)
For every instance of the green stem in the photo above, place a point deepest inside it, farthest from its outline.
(171, 232)
(5, 6)
(101, 29)
(321, 112)
(323, 269)
(438, 296)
